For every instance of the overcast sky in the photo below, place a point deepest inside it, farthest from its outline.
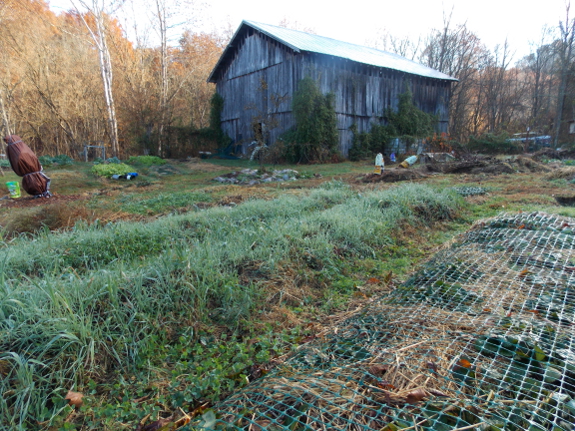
(357, 21)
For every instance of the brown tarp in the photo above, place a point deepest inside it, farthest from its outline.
(26, 165)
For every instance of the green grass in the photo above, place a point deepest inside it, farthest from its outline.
(169, 308)
(162, 202)
(117, 298)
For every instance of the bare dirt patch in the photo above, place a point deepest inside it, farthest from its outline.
(30, 201)
(392, 175)
(198, 165)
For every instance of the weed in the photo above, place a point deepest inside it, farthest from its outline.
(146, 160)
(110, 169)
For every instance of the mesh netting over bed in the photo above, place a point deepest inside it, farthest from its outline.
(482, 337)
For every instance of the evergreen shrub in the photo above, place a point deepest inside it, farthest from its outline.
(315, 137)
(408, 123)
(490, 143)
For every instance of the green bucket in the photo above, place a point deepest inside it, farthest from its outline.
(14, 189)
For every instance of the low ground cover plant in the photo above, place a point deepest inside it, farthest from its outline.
(107, 170)
(146, 160)
(61, 159)
(166, 309)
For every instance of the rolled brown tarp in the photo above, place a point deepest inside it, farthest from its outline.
(26, 165)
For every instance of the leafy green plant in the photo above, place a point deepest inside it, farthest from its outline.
(45, 160)
(146, 160)
(109, 169)
(61, 159)
(408, 123)
(315, 136)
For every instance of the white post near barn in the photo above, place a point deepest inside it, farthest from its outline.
(379, 164)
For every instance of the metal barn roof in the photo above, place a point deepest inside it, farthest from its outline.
(300, 41)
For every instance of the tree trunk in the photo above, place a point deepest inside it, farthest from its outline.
(164, 83)
(567, 30)
(99, 39)
(107, 77)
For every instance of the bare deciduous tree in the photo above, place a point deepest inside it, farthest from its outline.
(97, 9)
(458, 52)
(564, 50)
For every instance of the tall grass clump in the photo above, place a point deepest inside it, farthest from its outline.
(78, 307)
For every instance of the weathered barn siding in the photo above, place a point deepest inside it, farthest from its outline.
(257, 92)
(259, 78)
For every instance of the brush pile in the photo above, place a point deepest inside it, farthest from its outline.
(478, 164)
(480, 338)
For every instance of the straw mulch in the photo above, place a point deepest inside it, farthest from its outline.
(478, 338)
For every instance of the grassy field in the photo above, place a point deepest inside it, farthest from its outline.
(171, 290)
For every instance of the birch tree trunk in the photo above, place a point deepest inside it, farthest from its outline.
(164, 82)
(4, 116)
(99, 38)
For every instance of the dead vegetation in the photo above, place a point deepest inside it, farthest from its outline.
(476, 164)
(392, 175)
(466, 164)
(561, 173)
(433, 353)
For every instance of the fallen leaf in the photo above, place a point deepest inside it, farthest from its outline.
(384, 384)
(74, 398)
(464, 363)
(200, 410)
(533, 311)
(260, 425)
(182, 421)
(373, 280)
(416, 396)
(523, 273)
(432, 366)
(437, 393)
(378, 370)
(521, 227)
(157, 425)
(308, 338)
(387, 278)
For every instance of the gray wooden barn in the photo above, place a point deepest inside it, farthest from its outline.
(259, 71)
